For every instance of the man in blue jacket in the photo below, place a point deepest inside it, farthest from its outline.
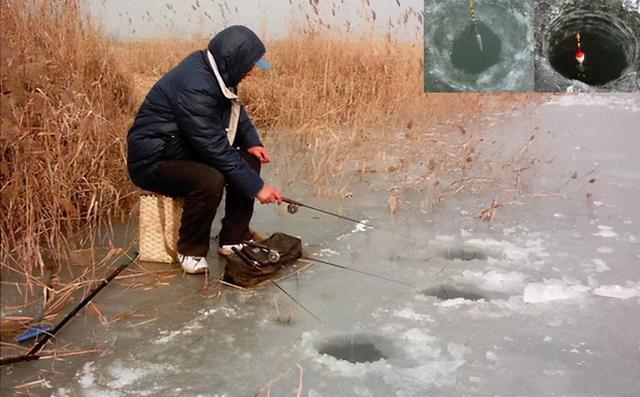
(192, 137)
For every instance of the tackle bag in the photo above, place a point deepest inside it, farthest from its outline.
(261, 268)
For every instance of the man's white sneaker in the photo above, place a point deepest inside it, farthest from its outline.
(226, 250)
(193, 264)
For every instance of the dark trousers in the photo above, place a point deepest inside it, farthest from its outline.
(201, 188)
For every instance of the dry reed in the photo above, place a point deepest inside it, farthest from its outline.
(65, 106)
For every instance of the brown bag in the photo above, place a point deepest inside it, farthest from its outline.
(240, 273)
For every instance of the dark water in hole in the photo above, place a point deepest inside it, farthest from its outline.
(464, 254)
(604, 59)
(446, 292)
(352, 350)
(466, 53)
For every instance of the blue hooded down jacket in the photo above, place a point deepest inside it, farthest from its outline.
(185, 115)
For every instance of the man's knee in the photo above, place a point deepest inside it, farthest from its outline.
(210, 189)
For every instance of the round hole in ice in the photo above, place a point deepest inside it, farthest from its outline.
(355, 349)
(466, 53)
(446, 292)
(464, 254)
(608, 42)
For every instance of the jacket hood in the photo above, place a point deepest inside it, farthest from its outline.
(236, 50)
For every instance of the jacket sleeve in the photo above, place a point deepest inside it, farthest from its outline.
(247, 135)
(198, 116)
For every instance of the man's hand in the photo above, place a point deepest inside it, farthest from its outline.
(269, 195)
(262, 153)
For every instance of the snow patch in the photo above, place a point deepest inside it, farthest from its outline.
(605, 231)
(605, 250)
(601, 266)
(359, 227)
(123, 376)
(613, 102)
(87, 377)
(326, 252)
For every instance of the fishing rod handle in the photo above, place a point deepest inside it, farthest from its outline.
(35, 349)
(244, 258)
(291, 201)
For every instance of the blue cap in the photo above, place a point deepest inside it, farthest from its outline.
(264, 64)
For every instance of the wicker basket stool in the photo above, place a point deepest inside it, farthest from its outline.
(159, 224)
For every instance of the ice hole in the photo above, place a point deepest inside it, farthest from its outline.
(466, 53)
(355, 349)
(446, 292)
(608, 43)
(464, 254)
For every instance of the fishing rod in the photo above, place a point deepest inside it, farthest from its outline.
(33, 353)
(256, 265)
(358, 271)
(474, 20)
(293, 205)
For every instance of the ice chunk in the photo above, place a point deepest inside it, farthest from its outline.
(495, 280)
(552, 290)
(410, 314)
(616, 291)
(454, 302)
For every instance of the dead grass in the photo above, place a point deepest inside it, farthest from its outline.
(65, 106)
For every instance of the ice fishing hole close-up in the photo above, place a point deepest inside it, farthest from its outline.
(594, 47)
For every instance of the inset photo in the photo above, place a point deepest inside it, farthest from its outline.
(587, 46)
(478, 46)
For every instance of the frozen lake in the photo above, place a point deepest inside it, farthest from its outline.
(543, 300)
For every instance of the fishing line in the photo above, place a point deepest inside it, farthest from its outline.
(293, 205)
(358, 271)
(475, 25)
(294, 299)
(254, 264)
